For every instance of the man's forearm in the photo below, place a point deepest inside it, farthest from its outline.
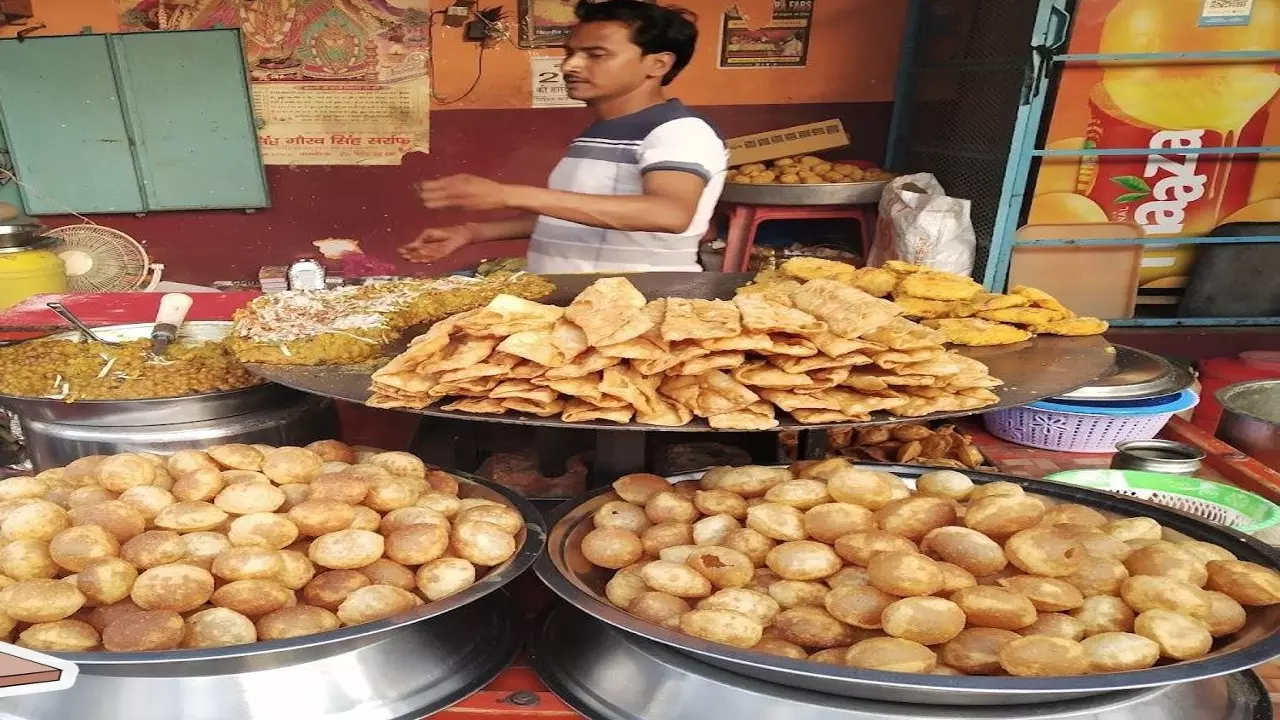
(509, 229)
(629, 213)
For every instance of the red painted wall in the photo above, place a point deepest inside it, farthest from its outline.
(377, 206)
(853, 54)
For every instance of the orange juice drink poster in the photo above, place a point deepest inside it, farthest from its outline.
(1165, 107)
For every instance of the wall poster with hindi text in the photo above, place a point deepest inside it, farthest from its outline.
(334, 82)
(783, 41)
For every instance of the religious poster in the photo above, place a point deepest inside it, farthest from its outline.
(548, 87)
(546, 23)
(334, 82)
(783, 41)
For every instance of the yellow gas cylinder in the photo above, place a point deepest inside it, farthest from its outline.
(26, 271)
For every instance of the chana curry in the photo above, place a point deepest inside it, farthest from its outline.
(70, 370)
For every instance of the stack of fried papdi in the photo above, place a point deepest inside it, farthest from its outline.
(821, 350)
(954, 304)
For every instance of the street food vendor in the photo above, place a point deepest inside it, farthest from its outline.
(636, 190)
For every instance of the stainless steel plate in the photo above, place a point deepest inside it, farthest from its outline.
(530, 542)
(607, 674)
(150, 411)
(860, 193)
(402, 675)
(1139, 375)
(1034, 370)
(577, 581)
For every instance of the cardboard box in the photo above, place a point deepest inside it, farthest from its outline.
(787, 142)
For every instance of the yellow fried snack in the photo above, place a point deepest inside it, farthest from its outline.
(932, 285)
(1041, 299)
(904, 268)
(873, 281)
(1022, 315)
(922, 309)
(1072, 327)
(812, 268)
(975, 332)
(986, 301)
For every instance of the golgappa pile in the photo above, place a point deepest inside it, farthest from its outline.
(953, 304)
(804, 170)
(235, 544)
(821, 350)
(846, 566)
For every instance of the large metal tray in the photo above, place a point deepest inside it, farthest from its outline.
(256, 656)
(571, 576)
(408, 674)
(149, 411)
(1040, 368)
(608, 674)
(859, 193)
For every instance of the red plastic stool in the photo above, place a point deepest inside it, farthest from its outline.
(744, 221)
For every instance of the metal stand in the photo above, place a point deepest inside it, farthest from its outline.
(811, 444)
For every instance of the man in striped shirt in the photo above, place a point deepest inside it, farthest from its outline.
(636, 190)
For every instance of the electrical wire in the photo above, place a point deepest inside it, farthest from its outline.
(431, 65)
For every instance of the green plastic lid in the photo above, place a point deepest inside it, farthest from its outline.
(1223, 504)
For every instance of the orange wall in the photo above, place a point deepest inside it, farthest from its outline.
(853, 55)
(68, 17)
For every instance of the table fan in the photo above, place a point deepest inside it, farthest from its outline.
(101, 259)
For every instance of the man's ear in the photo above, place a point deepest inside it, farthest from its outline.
(659, 64)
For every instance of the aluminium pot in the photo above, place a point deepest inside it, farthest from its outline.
(1251, 419)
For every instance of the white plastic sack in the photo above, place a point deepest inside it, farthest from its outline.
(919, 224)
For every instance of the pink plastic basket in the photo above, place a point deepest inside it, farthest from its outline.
(1049, 430)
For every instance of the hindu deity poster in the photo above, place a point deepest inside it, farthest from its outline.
(335, 82)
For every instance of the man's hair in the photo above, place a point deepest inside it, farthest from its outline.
(654, 28)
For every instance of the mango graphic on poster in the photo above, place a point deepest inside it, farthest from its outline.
(1166, 108)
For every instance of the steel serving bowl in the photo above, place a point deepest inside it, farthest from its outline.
(150, 411)
(347, 673)
(576, 580)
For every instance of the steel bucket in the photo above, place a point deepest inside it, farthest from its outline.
(1251, 419)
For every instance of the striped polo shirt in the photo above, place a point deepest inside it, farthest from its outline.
(611, 158)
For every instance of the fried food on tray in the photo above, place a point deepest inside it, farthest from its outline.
(358, 541)
(874, 281)
(928, 295)
(822, 350)
(909, 443)
(812, 268)
(1072, 327)
(806, 169)
(352, 324)
(71, 370)
(976, 332)
(932, 285)
(1021, 315)
(850, 567)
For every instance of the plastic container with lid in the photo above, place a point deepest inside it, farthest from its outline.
(27, 271)
(1133, 403)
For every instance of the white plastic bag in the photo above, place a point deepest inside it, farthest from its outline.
(919, 224)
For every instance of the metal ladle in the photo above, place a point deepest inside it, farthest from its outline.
(70, 317)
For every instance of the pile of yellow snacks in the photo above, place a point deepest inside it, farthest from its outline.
(954, 304)
(351, 324)
(234, 544)
(804, 170)
(71, 370)
(850, 567)
(823, 351)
